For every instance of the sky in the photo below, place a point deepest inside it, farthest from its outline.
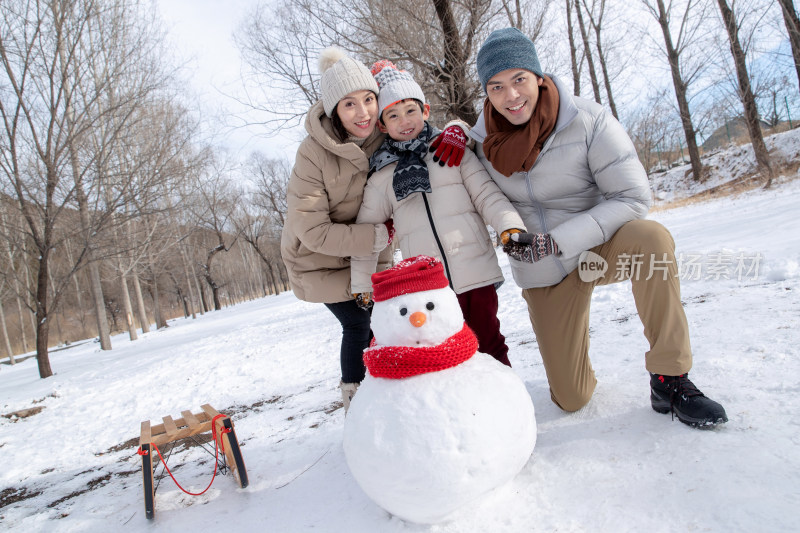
(272, 365)
(201, 32)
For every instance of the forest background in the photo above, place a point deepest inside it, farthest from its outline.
(124, 201)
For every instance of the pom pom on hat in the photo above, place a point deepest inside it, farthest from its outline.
(394, 84)
(505, 49)
(342, 75)
(420, 273)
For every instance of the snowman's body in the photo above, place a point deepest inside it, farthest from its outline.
(425, 445)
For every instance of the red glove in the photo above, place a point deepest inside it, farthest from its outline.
(449, 146)
(390, 228)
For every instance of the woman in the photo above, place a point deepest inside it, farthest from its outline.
(324, 195)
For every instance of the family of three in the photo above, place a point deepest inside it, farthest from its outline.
(555, 175)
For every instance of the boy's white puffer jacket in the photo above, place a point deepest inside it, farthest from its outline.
(461, 198)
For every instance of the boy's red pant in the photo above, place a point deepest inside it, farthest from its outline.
(480, 313)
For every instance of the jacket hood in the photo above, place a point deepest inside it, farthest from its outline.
(320, 128)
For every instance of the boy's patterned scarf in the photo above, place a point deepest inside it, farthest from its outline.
(411, 173)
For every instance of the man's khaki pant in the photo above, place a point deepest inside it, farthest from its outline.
(639, 250)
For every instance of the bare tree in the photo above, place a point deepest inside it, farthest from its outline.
(587, 52)
(214, 209)
(573, 53)
(435, 39)
(745, 92)
(262, 218)
(674, 50)
(792, 23)
(595, 14)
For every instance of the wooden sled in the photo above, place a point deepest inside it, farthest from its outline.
(188, 425)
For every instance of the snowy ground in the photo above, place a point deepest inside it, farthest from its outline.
(272, 364)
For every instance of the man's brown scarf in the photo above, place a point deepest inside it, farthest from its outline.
(513, 148)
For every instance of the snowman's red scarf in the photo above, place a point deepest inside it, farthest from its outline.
(398, 362)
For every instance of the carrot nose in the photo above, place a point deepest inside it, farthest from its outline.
(417, 319)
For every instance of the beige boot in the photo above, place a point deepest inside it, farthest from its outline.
(348, 391)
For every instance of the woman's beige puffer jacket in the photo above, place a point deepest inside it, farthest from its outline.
(323, 199)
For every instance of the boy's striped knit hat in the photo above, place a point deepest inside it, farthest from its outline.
(394, 84)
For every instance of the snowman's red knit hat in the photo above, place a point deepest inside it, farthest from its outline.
(415, 274)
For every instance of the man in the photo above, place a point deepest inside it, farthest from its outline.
(572, 172)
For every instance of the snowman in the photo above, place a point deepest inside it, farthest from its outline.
(435, 424)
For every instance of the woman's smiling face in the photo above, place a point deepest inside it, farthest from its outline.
(358, 112)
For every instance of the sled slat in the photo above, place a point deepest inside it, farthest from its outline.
(144, 437)
(170, 426)
(190, 419)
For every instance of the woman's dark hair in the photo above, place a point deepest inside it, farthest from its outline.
(338, 127)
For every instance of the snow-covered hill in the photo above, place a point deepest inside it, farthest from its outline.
(272, 364)
(727, 165)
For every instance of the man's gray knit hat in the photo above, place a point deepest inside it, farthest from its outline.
(395, 85)
(341, 75)
(505, 49)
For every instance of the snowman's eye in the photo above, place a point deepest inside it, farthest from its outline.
(403, 311)
(430, 306)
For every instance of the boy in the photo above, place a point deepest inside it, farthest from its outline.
(437, 210)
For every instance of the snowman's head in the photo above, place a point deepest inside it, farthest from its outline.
(414, 305)
(425, 318)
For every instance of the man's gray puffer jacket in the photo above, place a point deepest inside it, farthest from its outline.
(586, 183)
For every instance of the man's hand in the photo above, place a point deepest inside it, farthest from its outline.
(363, 300)
(530, 247)
(449, 146)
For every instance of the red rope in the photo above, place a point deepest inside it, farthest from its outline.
(217, 445)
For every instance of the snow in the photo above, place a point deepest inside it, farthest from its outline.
(424, 446)
(272, 364)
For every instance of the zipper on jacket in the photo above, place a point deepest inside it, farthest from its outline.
(436, 237)
(535, 202)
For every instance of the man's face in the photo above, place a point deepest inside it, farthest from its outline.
(514, 93)
(404, 120)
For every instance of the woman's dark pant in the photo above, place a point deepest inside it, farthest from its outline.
(355, 338)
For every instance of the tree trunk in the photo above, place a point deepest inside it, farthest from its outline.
(98, 300)
(142, 310)
(5, 335)
(453, 72)
(160, 322)
(192, 299)
(792, 23)
(680, 95)
(588, 53)
(746, 93)
(601, 56)
(78, 291)
(42, 324)
(573, 53)
(16, 288)
(126, 301)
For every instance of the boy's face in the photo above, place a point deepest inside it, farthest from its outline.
(514, 93)
(404, 120)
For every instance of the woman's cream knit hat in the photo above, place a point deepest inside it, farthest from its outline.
(341, 75)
